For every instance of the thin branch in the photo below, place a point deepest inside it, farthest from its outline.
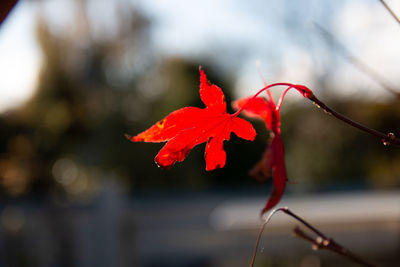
(328, 243)
(387, 139)
(253, 259)
(358, 63)
(390, 11)
(320, 242)
(5, 7)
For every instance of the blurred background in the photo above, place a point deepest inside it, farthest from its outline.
(76, 75)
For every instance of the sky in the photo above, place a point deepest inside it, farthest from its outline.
(257, 31)
(20, 57)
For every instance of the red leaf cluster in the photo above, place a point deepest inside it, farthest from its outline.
(189, 126)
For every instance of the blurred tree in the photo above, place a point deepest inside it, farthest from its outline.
(95, 87)
(91, 90)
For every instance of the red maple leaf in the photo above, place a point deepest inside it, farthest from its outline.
(273, 159)
(187, 127)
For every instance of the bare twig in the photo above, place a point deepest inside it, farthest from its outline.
(253, 259)
(5, 7)
(387, 139)
(358, 63)
(390, 11)
(320, 242)
(329, 244)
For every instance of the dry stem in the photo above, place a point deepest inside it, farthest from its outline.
(390, 11)
(387, 139)
(320, 242)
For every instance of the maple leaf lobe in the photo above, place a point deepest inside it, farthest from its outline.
(215, 154)
(258, 107)
(167, 159)
(211, 95)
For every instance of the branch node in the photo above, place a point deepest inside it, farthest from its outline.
(326, 242)
(388, 140)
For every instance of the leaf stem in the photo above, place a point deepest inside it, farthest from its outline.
(278, 107)
(265, 83)
(387, 139)
(259, 92)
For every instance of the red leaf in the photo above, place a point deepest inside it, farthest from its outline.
(259, 107)
(187, 127)
(273, 160)
(279, 173)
